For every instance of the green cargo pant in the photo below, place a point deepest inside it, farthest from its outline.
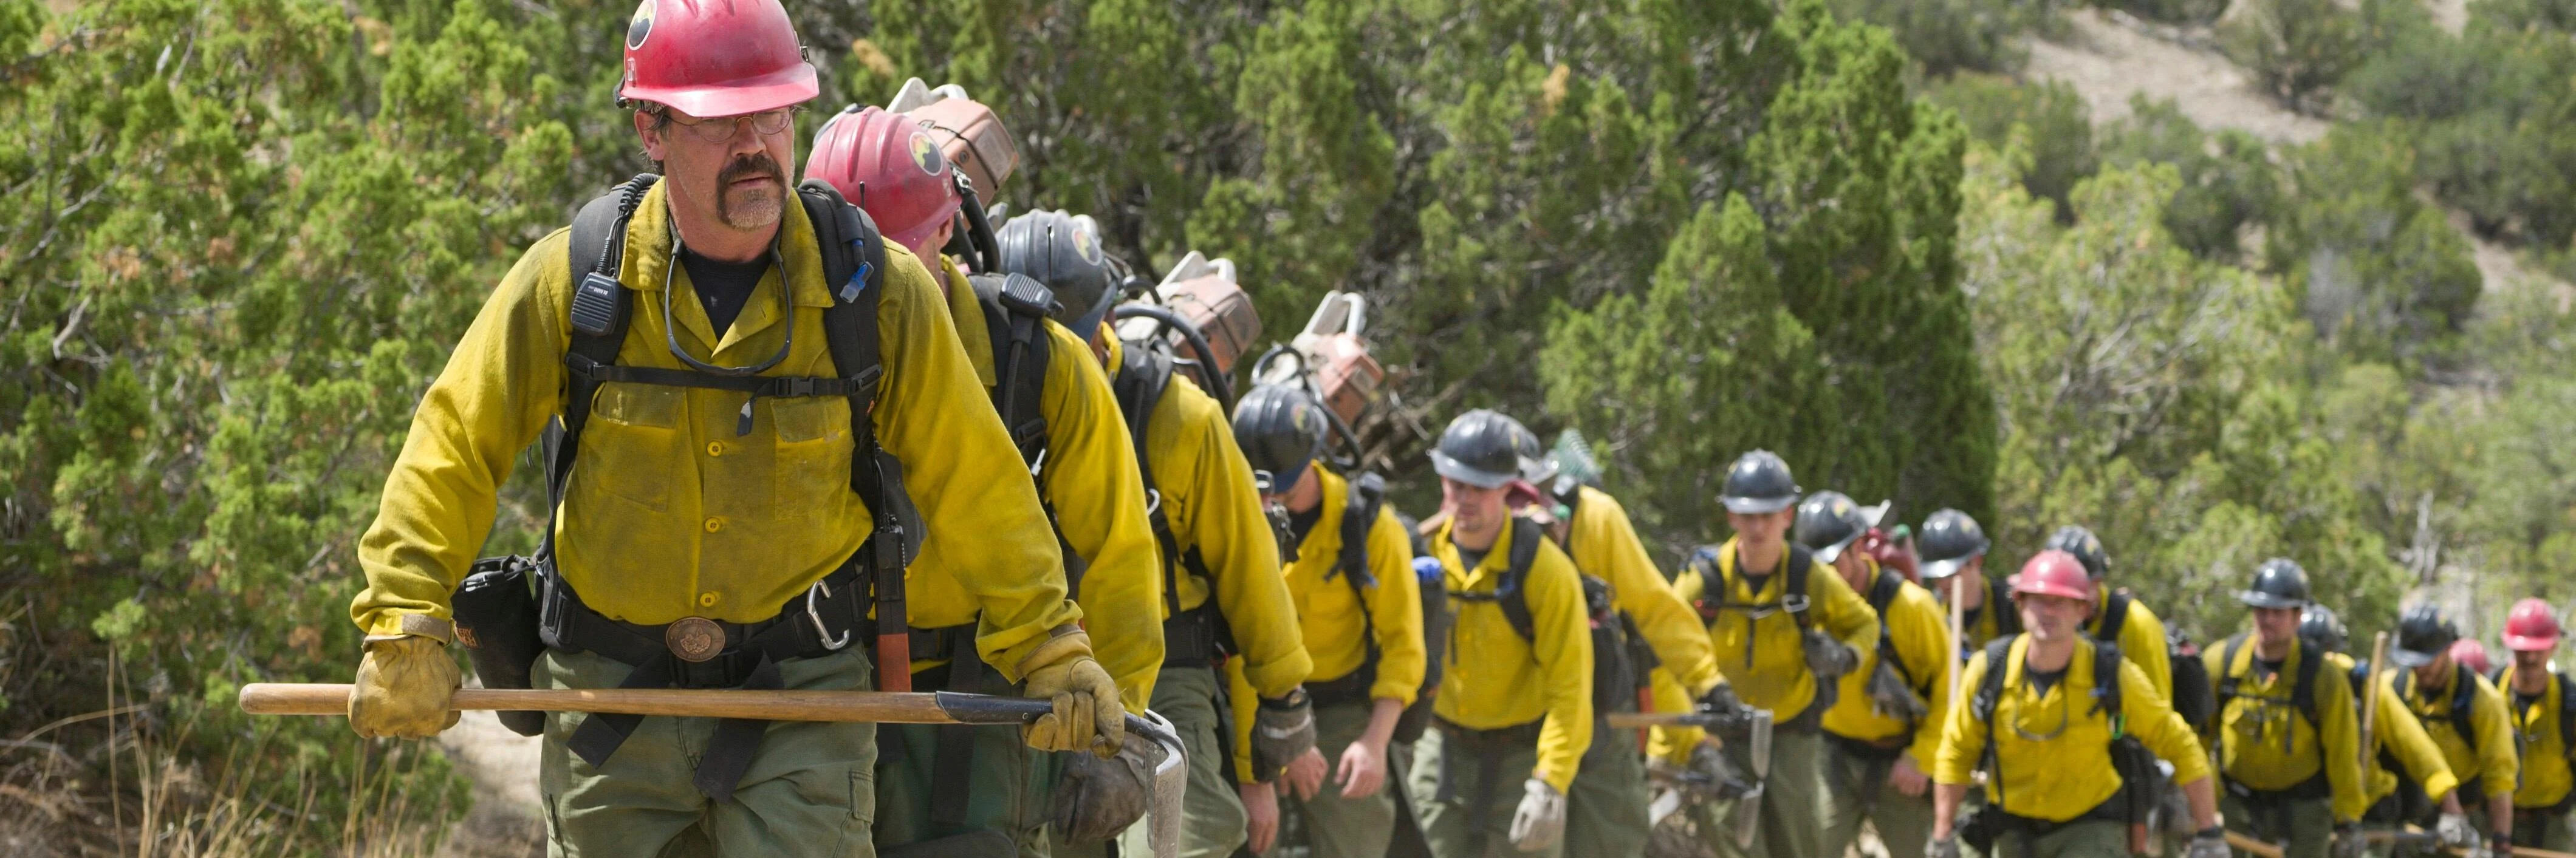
(811, 788)
(1010, 787)
(1338, 827)
(2091, 838)
(1212, 819)
(2304, 825)
(1605, 811)
(1449, 812)
(1795, 804)
(1858, 785)
(2542, 829)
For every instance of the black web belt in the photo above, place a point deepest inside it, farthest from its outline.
(830, 617)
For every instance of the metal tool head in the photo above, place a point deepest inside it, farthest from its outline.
(1171, 779)
(1757, 742)
(1744, 819)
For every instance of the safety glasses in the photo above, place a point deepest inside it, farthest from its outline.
(2065, 715)
(722, 128)
(671, 329)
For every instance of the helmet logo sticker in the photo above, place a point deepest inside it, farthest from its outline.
(1296, 413)
(925, 155)
(641, 27)
(1089, 249)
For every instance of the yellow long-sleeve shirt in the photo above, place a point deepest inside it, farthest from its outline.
(671, 513)
(2060, 777)
(1764, 658)
(2545, 773)
(1208, 496)
(1494, 678)
(1089, 478)
(1918, 629)
(2395, 732)
(2265, 742)
(2484, 751)
(1330, 609)
(1604, 545)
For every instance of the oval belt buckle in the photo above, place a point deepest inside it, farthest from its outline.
(694, 639)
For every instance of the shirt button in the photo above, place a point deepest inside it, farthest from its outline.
(715, 448)
(707, 599)
(715, 524)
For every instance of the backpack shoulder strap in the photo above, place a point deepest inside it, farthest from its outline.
(1143, 374)
(1015, 312)
(2227, 675)
(1513, 597)
(2464, 695)
(1359, 513)
(2566, 715)
(1794, 599)
(601, 310)
(2106, 684)
(2303, 688)
(1990, 691)
(2115, 615)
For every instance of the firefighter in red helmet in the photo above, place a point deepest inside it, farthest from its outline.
(771, 417)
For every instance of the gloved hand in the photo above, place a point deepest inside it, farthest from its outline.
(1724, 780)
(403, 688)
(1942, 847)
(2454, 831)
(1087, 714)
(2499, 846)
(2348, 841)
(1829, 657)
(1283, 729)
(1721, 699)
(2210, 842)
(1540, 820)
(1889, 697)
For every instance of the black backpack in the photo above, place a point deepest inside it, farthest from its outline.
(1367, 498)
(2303, 686)
(1616, 671)
(854, 269)
(2190, 678)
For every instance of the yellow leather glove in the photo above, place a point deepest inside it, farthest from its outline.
(1087, 715)
(403, 688)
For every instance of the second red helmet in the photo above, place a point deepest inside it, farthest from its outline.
(2531, 627)
(2054, 573)
(887, 165)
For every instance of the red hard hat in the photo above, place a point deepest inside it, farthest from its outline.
(2531, 627)
(2469, 652)
(715, 57)
(890, 167)
(2054, 573)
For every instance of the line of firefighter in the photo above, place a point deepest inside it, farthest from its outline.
(703, 536)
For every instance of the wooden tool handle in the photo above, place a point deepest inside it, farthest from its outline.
(270, 698)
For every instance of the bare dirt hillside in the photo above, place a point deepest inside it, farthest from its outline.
(507, 820)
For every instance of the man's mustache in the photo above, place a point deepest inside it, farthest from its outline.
(757, 164)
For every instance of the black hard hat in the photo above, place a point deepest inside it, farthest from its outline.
(2423, 635)
(2076, 540)
(2278, 583)
(2321, 627)
(1828, 522)
(1061, 251)
(1281, 431)
(1950, 539)
(1534, 465)
(1758, 483)
(1478, 449)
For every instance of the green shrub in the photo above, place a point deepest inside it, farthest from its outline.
(2227, 180)
(2297, 49)
(2381, 275)
(1947, 36)
(2058, 127)
(2171, 11)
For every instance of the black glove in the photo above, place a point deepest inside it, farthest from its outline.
(1721, 700)
(2348, 841)
(2210, 842)
(1890, 698)
(1282, 730)
(1828, 658)
(1942, 847)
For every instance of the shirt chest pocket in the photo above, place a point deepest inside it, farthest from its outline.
(632, 440)
(813, 462)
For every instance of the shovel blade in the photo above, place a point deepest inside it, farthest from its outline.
(1744, 820)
